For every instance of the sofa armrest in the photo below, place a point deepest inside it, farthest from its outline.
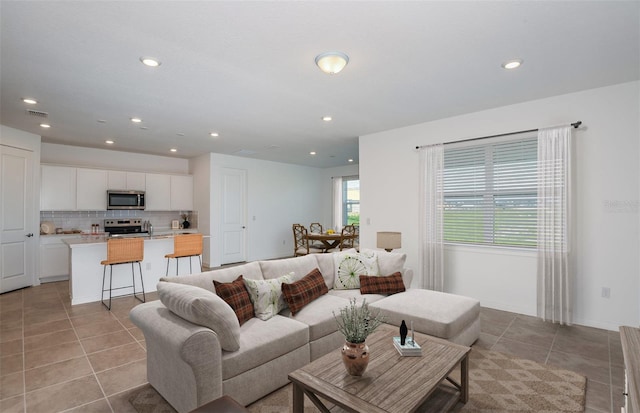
(184, 360)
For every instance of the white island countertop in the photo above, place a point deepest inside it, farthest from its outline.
(86, 252)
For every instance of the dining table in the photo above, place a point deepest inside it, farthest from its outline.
(329, 241)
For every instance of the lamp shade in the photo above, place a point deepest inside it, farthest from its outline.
(332, 62)
(389, 240)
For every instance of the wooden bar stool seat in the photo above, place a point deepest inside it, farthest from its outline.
(186, 246)
(123, 251)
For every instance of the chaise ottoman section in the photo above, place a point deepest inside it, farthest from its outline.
(452, 317)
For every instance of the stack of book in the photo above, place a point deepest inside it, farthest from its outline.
(409, 349)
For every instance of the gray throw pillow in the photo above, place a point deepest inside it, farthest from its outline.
(203, 308)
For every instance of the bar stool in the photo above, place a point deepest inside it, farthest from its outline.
(185, 246)
(123, 251)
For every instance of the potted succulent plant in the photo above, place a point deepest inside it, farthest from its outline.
(356, 323)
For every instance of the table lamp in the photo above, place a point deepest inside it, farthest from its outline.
(389, 240)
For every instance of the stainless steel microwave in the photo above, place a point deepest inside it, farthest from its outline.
(117, 199)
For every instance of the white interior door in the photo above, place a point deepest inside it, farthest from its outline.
(17, 245)
(234, 198)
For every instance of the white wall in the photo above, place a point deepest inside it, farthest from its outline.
(200, 168)
(110, 159)
(608, 187)
(278, 195)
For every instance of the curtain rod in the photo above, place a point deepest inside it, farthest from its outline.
(574, 124)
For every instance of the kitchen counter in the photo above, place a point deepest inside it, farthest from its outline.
(85, 281)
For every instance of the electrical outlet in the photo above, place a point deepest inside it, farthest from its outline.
(606, 292)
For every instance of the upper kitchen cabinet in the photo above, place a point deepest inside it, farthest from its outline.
(158, 192)
(169, 192)
(91, 189)
(134, 181)
(181, 193)
(58, 188)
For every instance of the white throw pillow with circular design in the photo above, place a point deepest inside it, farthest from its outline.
(350, 266)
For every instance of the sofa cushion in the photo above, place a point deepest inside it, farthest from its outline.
(262, 341)
(435, 313)
(205, 279)
(318, 315)
(298, 265)
(349, 294)
(302, 292)
(266, 295)
(203, 308)
(235, 294)
(390, 262)
(387, 284)
(349, 266)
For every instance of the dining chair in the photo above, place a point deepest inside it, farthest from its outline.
(185, 246)
(347, 239)
(316, 227)
(123, 251)
(301, 242)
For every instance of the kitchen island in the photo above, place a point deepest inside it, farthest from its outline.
(86, 252)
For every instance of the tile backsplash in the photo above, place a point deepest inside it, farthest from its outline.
(82, 220)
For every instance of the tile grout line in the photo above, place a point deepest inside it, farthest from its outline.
(503, 333)
(546, 361)
(95, 376)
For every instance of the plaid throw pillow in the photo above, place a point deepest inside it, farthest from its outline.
(389, 284)
(235, 294)
(302, 292)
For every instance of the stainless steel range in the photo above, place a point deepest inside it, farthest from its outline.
(124, 227)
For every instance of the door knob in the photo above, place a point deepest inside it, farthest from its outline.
(30, 234)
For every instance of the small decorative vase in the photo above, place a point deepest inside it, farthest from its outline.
(186, 224)
(355, 357)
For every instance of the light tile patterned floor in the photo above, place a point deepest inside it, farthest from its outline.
(56, 357)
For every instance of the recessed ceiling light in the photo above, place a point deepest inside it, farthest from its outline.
(214, 134)
(173, 150)
(45, 125)
(349, 160)
(29, 101)
(326, 118)
(512, 64)
(144, 127)
(180, 134)
(101, 121)
(136, 120)
(150, 61)
(312, 153)
(109, 142)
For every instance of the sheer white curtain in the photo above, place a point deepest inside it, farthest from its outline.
(555, 269)
(431, 222)
(337, 203)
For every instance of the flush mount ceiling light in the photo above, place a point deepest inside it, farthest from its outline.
(150, 61)
(332, 62)
(512, 64)
(29, 101)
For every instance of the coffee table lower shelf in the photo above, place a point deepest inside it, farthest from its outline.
(391, 383)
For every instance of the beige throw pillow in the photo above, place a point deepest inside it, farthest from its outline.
(203, 308)
(266, 295)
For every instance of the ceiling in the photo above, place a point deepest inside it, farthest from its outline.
(246, 69)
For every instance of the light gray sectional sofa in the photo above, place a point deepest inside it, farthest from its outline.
(197, 351)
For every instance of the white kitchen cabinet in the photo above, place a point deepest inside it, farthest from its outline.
(158, 192)
(134, 181)
(54, 258)
(181, 192)
(91, 192)
(57, 188)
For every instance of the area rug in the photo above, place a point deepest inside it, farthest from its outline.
(498, 383)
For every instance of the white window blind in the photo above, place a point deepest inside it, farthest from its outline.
(490, 193)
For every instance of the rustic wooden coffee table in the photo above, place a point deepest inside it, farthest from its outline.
(391, 383)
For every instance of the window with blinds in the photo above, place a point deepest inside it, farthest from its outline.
(490, 193)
